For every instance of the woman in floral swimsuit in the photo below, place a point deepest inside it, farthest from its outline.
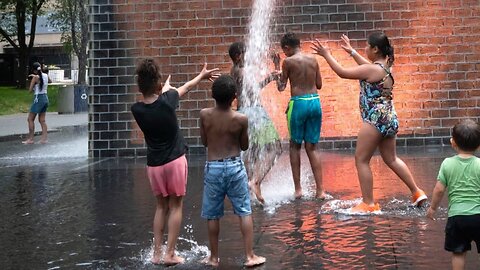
(380, 123)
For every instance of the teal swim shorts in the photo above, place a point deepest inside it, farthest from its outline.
(304, 118)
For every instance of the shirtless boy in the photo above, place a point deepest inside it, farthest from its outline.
(224, 133)
(304, 112)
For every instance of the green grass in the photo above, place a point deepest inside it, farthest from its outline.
(13, 100)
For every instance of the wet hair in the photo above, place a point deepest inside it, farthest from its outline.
(380, 40)
(224, 89)
(37, 69)
(466, 135)
(148, 75)
(236, 49)
(290, 39)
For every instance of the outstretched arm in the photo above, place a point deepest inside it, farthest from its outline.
(271, 77)
(437, 196)
(362, 72)
(348, 48)
(210, 74)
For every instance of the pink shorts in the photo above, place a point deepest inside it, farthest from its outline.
(169, 179)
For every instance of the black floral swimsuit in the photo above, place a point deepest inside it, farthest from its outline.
(376, 106)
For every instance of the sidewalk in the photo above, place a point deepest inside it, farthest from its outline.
(16, 124)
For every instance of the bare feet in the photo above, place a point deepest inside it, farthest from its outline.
(298, 194)
(258, 192)
(29, 141)
(157, 256)
(43, 141)
(211, 261)
(321, 195)
(156, 259)
(173, 260)
(254, 261)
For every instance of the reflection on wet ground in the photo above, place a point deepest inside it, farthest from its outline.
(63, 212)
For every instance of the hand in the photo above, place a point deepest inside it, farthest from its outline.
(346, 44)
(275, 75)
(210, 74)
(431, 213)
(275, 56)
(319, 48)
(166, 85)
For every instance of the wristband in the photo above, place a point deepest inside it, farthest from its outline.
(353, 53)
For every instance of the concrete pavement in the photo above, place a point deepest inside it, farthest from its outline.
(16, 124)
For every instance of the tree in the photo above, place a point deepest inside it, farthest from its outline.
(71, 17)
(14, 16)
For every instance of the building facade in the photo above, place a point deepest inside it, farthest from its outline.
(437, 62)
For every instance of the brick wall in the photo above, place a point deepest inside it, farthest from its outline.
(437, 62)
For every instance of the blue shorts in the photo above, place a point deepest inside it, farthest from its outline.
(304, 118)
(226, 177)
(40, 104)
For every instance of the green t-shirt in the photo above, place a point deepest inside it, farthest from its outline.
(462, 178)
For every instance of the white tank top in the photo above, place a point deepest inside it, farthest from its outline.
(36, 87)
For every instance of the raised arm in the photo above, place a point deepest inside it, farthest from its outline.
(282, 81)
(362, 72)
(210, 74)
(32, 82)
(348, 48)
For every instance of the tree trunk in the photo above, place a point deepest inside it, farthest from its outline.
(82, 68)
(22, 69)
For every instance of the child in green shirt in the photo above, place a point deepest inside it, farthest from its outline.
(460, 174)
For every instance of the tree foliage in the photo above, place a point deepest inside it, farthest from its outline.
(71, 17)
(14, 16)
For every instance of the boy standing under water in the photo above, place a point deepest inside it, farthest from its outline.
(262, 134)
(304, 112)
(224, 133)
(461, 175)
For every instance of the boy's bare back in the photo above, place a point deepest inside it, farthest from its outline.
(224, 132)
(303, 72)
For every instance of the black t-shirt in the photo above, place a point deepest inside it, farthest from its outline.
(158, 122)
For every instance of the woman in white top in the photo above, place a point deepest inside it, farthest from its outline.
(39, 106)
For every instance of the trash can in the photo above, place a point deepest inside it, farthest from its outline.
(80, 98)
(65, 99)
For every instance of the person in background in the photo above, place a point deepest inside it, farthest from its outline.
(38, 85)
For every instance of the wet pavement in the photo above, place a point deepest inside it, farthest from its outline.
(61, 210)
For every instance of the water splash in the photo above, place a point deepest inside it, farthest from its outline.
(190, 250)
(394, 207)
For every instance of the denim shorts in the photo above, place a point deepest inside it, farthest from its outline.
(225, 177)
(40, 104)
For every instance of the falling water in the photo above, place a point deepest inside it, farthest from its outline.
(264, 140)
(256, 55)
